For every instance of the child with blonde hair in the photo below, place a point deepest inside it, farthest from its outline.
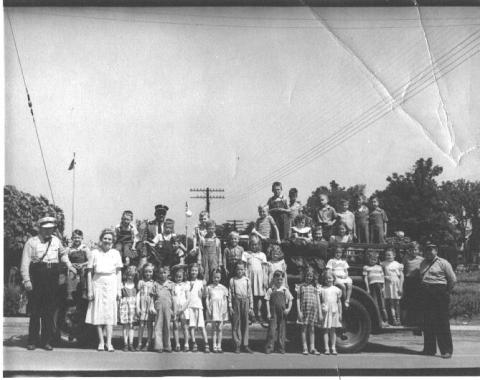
(181, 300)
(217, 307)
(127, 309)
(330, 298)
(146, 312)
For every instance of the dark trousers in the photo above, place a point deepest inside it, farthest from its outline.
(43, 302)
(412, 302)
(376, 290)
(241, 307)
(436, 319)
(276, 325)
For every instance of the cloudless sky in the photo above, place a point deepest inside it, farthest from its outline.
(155, 101)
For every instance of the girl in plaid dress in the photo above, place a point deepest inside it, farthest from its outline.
(308, 307)
(128, 307)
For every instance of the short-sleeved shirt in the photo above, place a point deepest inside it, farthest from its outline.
(374, 274)
(288, 295)
(339, 267)
(326, 214)
(348, 218)
(105, 262)
(265, 226)
(34, 251)
(440, 272)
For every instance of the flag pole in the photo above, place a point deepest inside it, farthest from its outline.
(73, 193)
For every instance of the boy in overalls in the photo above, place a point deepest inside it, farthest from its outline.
(279, 302)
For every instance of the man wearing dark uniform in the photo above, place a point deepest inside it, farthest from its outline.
(40, 272)
(437, 281)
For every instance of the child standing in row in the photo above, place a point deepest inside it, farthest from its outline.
(145, 307)
(378, 223)
(240, 305)
(127, 309)
(233, 253)
(326, 216)
(330, 298)
(163, 295)
(210, 251)
(217, 305)
(79, 254)
(257, 267)
(276, 263)
(374, 283)
(308, 309)
(393, 285)
(278, 207)
(181, 300)
(345, 216)
(361, 220)
(279, 302)
(338, 267)
(195, 311)
(265, 227)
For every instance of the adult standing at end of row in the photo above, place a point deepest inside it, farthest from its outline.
(104, 288)
(438, 279)
(40, 271)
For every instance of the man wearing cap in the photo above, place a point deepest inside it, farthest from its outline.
(438, 279)
(155, 227)
(40, 273)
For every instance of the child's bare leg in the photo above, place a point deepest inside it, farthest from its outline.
(176, 334)
(325, 341)
(185, 334)
(312, 336)
(125, 335)
(140, 334)
(349, 294)
(220, 335)
(101, 342)
(109, 329)
(149, 333)
(131, 332)
(397, 311)
(205, 338)
(333, 340)
(192, 335)
(303, 331)
(342, 288)
(214, 335)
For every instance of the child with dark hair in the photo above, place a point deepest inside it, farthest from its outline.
(378, 223)
(279, 302)
(362, 220)
(342, 235)
(279, 210)
(240, 306)
(127, 308)
(300, 231)
(126, 238)
(79, 254)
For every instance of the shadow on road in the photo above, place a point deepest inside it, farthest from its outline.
(376, 347)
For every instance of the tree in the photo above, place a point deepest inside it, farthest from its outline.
(461, 200)
(413, 202)
(21, 211)
(335, 193)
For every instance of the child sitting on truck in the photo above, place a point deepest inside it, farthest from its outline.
(338, 266)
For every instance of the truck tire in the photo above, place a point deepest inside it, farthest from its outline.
(357, 325)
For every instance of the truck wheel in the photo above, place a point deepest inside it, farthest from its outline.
(353, 336)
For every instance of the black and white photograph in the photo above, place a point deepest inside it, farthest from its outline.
(241, 189)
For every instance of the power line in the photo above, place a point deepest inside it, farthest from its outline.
(207, 191)
(30, 106)
(335, 139)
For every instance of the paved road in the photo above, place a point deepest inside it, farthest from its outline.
(388, 354)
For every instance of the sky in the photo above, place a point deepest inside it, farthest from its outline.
(155, 101)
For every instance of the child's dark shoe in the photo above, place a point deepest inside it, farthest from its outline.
(177, 348)
(125, 348)
(237, 350)
(130, 348)
(207, 349)
(195, 347)
(186, 348)
(281, 351)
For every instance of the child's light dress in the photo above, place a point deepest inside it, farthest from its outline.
(145, 303)
(180, 291)
(392, 272)
(339, 268)
(195, 307)
(217, 301)
(257, 271)
(127, 308)
(329, 298)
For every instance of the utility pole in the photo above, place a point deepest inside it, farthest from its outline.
(207, 195)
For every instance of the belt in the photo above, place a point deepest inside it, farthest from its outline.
(46, 264)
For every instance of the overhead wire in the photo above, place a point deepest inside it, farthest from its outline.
(336, 138)
(30, 106)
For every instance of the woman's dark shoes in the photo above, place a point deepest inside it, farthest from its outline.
(31, 347)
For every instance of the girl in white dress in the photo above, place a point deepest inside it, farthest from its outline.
(217, 305)
(393, 271)
(195, 307)
(330, 298)
(181, 300)
(257, 270)
(338, 267)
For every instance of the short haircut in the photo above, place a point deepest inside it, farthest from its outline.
(323, 195)
(276, 183)
(278, 273)
(77, 232)
(293, 191)
(343, 200)
(233, 234)
(210, 223)
(238, 263)
(128, 212)
(203, 213)
(164, 268)
(300, 218)
(263, 207)
(147, 265)
(253, 237)
(317, 228)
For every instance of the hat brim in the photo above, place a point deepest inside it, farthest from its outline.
(48, 225)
